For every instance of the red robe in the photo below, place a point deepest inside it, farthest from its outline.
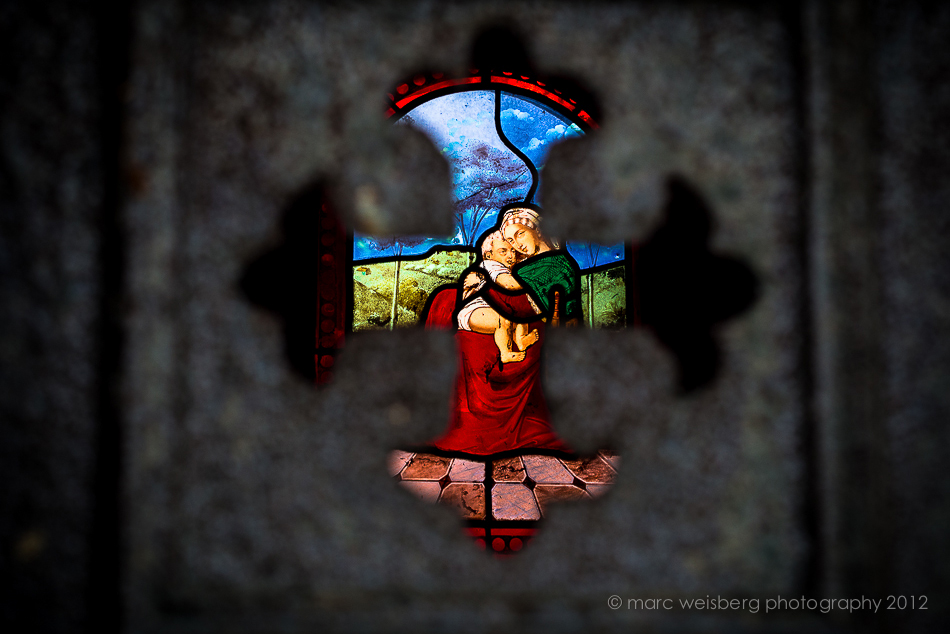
(494, 407)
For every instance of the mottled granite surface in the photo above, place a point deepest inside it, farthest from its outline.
(252, 502)
(234, 462)
(51, 196)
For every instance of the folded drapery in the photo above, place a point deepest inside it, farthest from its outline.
(495, 407)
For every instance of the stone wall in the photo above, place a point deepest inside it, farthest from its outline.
(165, 469)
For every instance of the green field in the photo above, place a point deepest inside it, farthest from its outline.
(610, 298)
(373, 286)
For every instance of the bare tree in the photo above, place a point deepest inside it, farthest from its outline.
(593, 253)
(493, 178)
(396, 244)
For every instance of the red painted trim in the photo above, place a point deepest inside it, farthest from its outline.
(331, 303)
(535, 87)
(442, 84)
(525, 85)
(586, 117)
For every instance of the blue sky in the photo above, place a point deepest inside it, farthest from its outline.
(486, 174)
(533, 129)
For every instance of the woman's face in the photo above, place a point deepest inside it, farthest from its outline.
(524, 239)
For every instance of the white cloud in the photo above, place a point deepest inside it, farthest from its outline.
(561, 132)
(517, 114)
(534, 144)
(555, 133)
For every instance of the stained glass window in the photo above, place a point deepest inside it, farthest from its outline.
(496, 139)
(499, 282)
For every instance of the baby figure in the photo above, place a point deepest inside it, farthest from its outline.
(511, 338)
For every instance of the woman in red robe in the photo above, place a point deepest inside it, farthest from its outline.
(500, 407)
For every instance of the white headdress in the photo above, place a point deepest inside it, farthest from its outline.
(521, 216)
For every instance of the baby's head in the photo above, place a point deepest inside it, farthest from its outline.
(495, 247)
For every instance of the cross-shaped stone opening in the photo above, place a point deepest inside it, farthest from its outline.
(321, 280)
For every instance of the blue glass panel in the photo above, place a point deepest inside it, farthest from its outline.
(486, 174)
(591, 255)
(533, 128)
(369, 247)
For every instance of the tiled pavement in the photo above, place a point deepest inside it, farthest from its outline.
(515, 489)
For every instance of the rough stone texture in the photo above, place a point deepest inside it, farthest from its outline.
(547, 470)
(255, 503)
(234, 464)
(467, 471)
(844, 248)
(51, 191)
(425, 490)
(911, 68)
(550, 495)
(877, 252)
(397, 461)
(425, 467)
(467, 499)
(590, 470)
(377, 185)
(582, 174)
(508, 470)
(513, 501)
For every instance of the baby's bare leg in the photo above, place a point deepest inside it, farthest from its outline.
(488, 322)
(506, 346)
(522, 338)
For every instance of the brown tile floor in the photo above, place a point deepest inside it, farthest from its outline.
(520, 488)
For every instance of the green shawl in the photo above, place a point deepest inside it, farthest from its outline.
(541, 274)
